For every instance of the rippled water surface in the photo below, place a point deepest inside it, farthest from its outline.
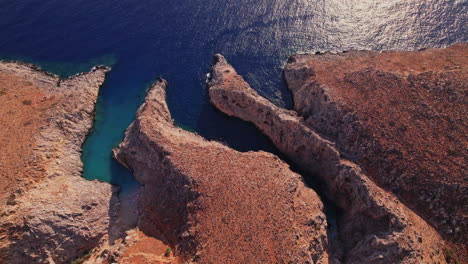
(176, 39)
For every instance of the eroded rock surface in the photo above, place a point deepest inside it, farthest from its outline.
(376, 227)
(49, 213)
(216, 205)
(134, 248)
(402, 116)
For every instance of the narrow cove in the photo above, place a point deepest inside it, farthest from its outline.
(115, 173)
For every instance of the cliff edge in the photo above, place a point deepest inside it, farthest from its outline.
(216, 205)
(375, 227)
(402, 116)
(49, 213)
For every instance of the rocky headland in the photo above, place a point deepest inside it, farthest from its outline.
(212, 204)
(401, 116)
(49, 213)
(384, 133)
(324, 136)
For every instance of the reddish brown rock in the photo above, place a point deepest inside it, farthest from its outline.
(375, 227)
(216, 205)
(134, 248)
(402, 116)
(48, 212)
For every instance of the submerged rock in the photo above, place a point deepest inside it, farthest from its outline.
(213, 204)
(375, 227)
(49, 214)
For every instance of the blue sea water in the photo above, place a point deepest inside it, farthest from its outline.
(142, 39)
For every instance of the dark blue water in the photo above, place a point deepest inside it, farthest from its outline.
(176, 39)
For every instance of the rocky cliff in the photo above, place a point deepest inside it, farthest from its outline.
(49, 213)
(384, 132)
(375, 227)
(401, 116)
(216, 205)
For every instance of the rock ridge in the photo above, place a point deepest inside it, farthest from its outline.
(51, 213)
(213, 204)
(401, 116)
(375, 227)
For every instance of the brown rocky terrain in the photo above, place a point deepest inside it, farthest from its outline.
(375, 227)
(49, 213)
(401, 116)
(212, 204)
(384, 132)
(134, 248)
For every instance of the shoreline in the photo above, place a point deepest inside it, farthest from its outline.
(124, 224)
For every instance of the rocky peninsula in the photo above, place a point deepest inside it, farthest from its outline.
(401, 116)
(49, 213)
(384, 133)
(366, 124)
(213, 204)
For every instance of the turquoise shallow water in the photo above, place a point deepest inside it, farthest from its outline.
(176, 40)
(110, 122)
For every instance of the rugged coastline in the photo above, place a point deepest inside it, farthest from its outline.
(376, 227)
(214, 204)
(50, 214)
(401, 116)
(384, 132)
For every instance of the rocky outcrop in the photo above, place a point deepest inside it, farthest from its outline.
(134, 247)
(375, 227)
(212, 204)
(401, 116)
(50, 214)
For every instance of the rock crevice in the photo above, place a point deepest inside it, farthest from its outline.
(375, 227)
(401, 116)
(214, 204)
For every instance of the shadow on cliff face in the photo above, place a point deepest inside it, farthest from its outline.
(124, 207)
(233, 132)
(332, 211)
(243, 136)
